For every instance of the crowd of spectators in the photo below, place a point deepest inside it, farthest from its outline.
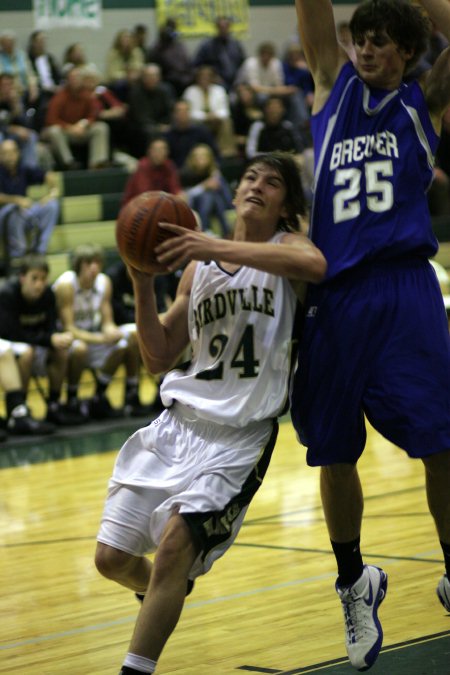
(84, 114)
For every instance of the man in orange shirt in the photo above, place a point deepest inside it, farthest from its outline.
(71, 120)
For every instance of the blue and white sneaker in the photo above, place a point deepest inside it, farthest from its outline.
(360, 601)
(443, 591)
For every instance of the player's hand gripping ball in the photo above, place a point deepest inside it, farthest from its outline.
(137, 231)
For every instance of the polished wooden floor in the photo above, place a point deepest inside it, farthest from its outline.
(268, 606)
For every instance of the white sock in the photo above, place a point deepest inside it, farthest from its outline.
(140, 663)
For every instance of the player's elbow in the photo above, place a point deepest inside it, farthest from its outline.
(157, 365)
(317, 267)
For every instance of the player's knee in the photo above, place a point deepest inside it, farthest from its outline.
(112, 563)
(338, 473)
(26, 357)
(176, 552)
(79, 351)
(438, 465)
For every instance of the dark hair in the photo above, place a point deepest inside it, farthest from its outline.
(86, 253)
(405, 23)
(34, 261)
(295, 202)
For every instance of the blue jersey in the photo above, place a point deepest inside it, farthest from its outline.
(374, 155)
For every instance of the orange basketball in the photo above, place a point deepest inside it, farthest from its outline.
(137, 231)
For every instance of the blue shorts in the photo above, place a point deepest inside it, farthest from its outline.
(375, 343)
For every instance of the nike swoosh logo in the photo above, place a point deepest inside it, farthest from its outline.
(369, 600)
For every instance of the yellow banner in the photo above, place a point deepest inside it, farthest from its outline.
(196, 17)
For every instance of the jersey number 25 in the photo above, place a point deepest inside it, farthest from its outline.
(379, 192)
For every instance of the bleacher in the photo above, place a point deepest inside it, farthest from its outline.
(90, 202)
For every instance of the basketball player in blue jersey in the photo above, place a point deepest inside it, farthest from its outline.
(182, 485)
(376, 339)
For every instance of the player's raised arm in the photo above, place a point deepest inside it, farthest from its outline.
(318, 37)
(437, 83)
(439, 13)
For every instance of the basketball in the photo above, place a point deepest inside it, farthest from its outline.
(137, 231)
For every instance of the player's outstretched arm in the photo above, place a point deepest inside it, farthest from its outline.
(437, 88)
(439, 13)
(161, 338)
(318, 38)
(295, 257)
(436, 85)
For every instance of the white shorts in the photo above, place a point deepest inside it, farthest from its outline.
(97, 355)
(5, 346)
(207, 472)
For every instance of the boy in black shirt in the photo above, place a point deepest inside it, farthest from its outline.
(28, 319)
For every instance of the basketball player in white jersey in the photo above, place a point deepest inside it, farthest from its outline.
(182, 485)
(84, 302)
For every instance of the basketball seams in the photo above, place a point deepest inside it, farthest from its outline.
(137, 231)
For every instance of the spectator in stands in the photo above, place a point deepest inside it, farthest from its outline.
(297, 74)
(155, 171)
(84, 297)
(124, 62)
(184, 134)
(14, 122)
(245, 109)
(172, 56)
(109, 109)
(264, 73)
(273, 132)
(139, 35)
(151, 106)
(71, 122)
(28, 319)
(14, 61)
(224, 53)
(26, 225)
(74, 55)
(47, 72)
(210, 105)
(123, 304)
(19, 420)
(207, 191)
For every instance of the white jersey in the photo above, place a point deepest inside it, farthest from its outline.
(240, 326)
(87, 302)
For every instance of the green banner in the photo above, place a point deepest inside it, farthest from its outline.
(67, 13)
